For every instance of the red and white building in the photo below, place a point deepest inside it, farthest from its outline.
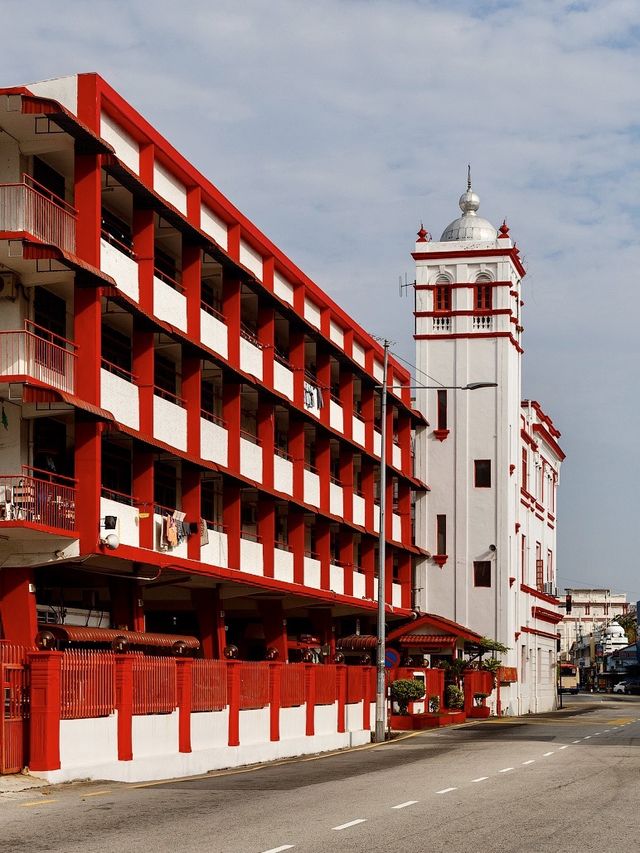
(191, 435)
(493, 460)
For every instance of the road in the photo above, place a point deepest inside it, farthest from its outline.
(556, 782)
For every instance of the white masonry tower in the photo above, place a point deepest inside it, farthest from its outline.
(468, 330)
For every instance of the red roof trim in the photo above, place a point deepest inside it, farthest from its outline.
(546, 436)
(546, 615)
(431, 620)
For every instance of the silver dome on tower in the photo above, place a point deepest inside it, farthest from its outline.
(469, 226)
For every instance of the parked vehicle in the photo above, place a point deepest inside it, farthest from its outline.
(633, 687)
(567, 678)
(620, 687)
(627, 685)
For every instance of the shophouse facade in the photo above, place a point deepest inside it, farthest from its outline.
(591, 610)
(489, 522)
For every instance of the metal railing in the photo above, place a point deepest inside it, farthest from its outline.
(30, 207)
(38, 497)
(37, 352)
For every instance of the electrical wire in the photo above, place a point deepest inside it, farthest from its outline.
(417, 369)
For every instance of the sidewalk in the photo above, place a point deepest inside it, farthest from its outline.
(20, 782)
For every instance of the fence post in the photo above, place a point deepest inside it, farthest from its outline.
(275, 698)
(341, 685)
(366, 698)
(184, 676)
(233, 700)
(124, 706)
(45, 712)
(310, 697)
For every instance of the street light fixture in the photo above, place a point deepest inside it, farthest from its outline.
(381, 699)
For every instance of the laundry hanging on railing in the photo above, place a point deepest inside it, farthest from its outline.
(174, 529)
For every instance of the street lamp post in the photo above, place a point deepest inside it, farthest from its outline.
(381, 697)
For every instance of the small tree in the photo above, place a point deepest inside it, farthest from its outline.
(406, 690)
(454, 697)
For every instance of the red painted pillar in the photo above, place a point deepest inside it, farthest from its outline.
(184, 674)
(124, 706)
(341, 679)
(266, 337)
(346, 400)
(323, 547)
(127, 607)
(191, 487)
(275, 627)
(310, 697)
(143, 234)
(369, 566)
(404, 438)
(143, 370)
(204, 602)
(296, 451)
(233, 699)
(87, 199)
(296, 542)
(267, 441)
(323, 464)
(267, 532)
(88, 473)
(346, 478)
(323, 372)
(366, 698)
(406, 576)
(404, 509)
(345, 545)
(232, 511)
(18, 615)
(368, 491)
(275, 680)
(367, 412)
(296, 359)
(231, 412)
(191, 281)
(87, 325)
(143, 490)
(231, 311)
(191, 391)
(45, 710)
(388, 574)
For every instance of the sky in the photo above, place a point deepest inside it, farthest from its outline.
(339, 126)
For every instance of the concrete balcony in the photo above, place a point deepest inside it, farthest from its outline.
(358, 510)
(30, 498)
(311, 487)
(377, 442)
(312, 571)
(283, 472)
(251, 554)
(216, 551)
(37, 353)
(359, 584)
(283, 379)
(396, 456)
(213, 331)
(160, 540)
(336, 415)
(119, 262)
(396, 527)
(169, 301)
(250, 457)
(214, 439)
(282, 564)
(31, 208)
(336, 578)
(336, 498)
(119, 394)
(250, 355)
(169, 418)
(357, 430)
(396, 595)
(124, 509)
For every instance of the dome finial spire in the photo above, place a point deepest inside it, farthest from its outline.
(469, 177)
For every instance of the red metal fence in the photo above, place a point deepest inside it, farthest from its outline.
(88, 684)
(326, 684)
(209, 685)
(36, 352)
(292, 685)
(155, 688)
(32, 208)
(254, 685)
(14, 708)
(29, 498)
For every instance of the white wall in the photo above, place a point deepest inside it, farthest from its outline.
(359, 585)
(311, 488)
(61, 89)
(155, 734)
(336, 334)
(357, 430)
(214, 333)
(251, 460)
(128, 520)
(120, 397)
(336, 578)
(251, 259)
(282, 565)
(125, 146)
(250, 358)
(216, 551)
(214, 226)
(312, 572)
(87, 742)
(283, 379)
(312, 312)
(169, 422)
(122, 268)
(254, 726)
(358, 354)
(336, 503)
(169, 187)
(251, 557)
(214, 441)
(358, 510)
(282, 288)
(179, 550)
(336, 416)
(169, 305)
(283, 474)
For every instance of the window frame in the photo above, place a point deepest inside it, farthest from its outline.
(477, 463)
(480, 566)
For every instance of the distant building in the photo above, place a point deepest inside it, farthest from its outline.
(591, 610)
(493, 461)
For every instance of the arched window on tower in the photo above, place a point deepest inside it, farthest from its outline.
(483, 294)
(442, 294)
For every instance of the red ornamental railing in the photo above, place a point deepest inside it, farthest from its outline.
(88, 684)
(39, 353)
(292, 685)
(50, 502)
(154, 685)
(326, 684)
(30, 207)
(254, 685)
(209, 685)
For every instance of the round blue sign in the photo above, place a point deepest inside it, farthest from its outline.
(391, 658)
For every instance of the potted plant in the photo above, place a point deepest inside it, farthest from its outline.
(434, 704)
(454, 697)
(406, 690)
(480, 709)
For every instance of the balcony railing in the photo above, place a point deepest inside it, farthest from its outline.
(37, 352)
(30, 207)
(38, 497)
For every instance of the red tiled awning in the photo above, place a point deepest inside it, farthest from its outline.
(109, 636)
(357, 642)
(427, 640)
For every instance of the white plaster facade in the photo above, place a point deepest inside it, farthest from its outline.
(482, 573)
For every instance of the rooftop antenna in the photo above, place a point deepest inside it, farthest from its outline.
(403, 286)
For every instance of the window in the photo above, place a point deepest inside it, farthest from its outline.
(550, 566)
(49, 178)
(523, 558)
(442, 295)
(441, 534)
(116, 348)
(165, 485)
(525, 475)
(482, 573)
(165, 374)
(539, 568)
(116, 468)
(483, 297)
(211, 500)
(482, 473)
(442, 409)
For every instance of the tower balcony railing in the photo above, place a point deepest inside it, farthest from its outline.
(35, 210)
(35, 351)
(39, 497)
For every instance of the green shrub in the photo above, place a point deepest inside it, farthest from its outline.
(454, 697)
(406, 690)
(434, 704)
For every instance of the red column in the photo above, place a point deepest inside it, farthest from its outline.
(87, 200)
(127, 608)
(124, 706)
(346, 558)
(296, 358)
(296, 451)
(233, 700)
(18, 615)
(323, 368)
(143, 370)
(275, 677)
(143, 233)
(143, 491)
(368, 411)
(45, 710)
(191, 391)
(87, 326)
(346, 400)
(346, 478)
(323, 547)
(310, 697)
(231, 412)
(266, 438)
(184, 671)
(404, 437)
(368, 564)
(191, 281)
(266, 327)
(88, 472)
(231, 311)
(323, 464)
(368, 491)
(232, 519)
(191, 506)
(275, 628)
(388, 574)
(404, 509)
(296, 542)
(366, 697)
(406, 576)
(341, 678)
(267, 532)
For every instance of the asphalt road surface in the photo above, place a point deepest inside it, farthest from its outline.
(557, 782)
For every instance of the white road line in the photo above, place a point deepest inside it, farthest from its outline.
(566, 746)
(545, 754)
(347, 825)
(480, 779)
(587, 737)
(505, 769)
(446, 790)
(404, 805)
(530, 761)
(595, 734)
(279, 849)
(576, 741)
(606, 730)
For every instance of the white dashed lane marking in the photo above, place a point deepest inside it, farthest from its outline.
(530, 761)
(404, 805)
(545, 754)
(505, 770)
(480, 779)
(347, 825)
(446, 790)
(566, 746)
(280, 849)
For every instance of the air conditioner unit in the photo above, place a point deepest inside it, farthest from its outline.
(550, 589)
(8, 284)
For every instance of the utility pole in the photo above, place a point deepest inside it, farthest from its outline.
(381, 697)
